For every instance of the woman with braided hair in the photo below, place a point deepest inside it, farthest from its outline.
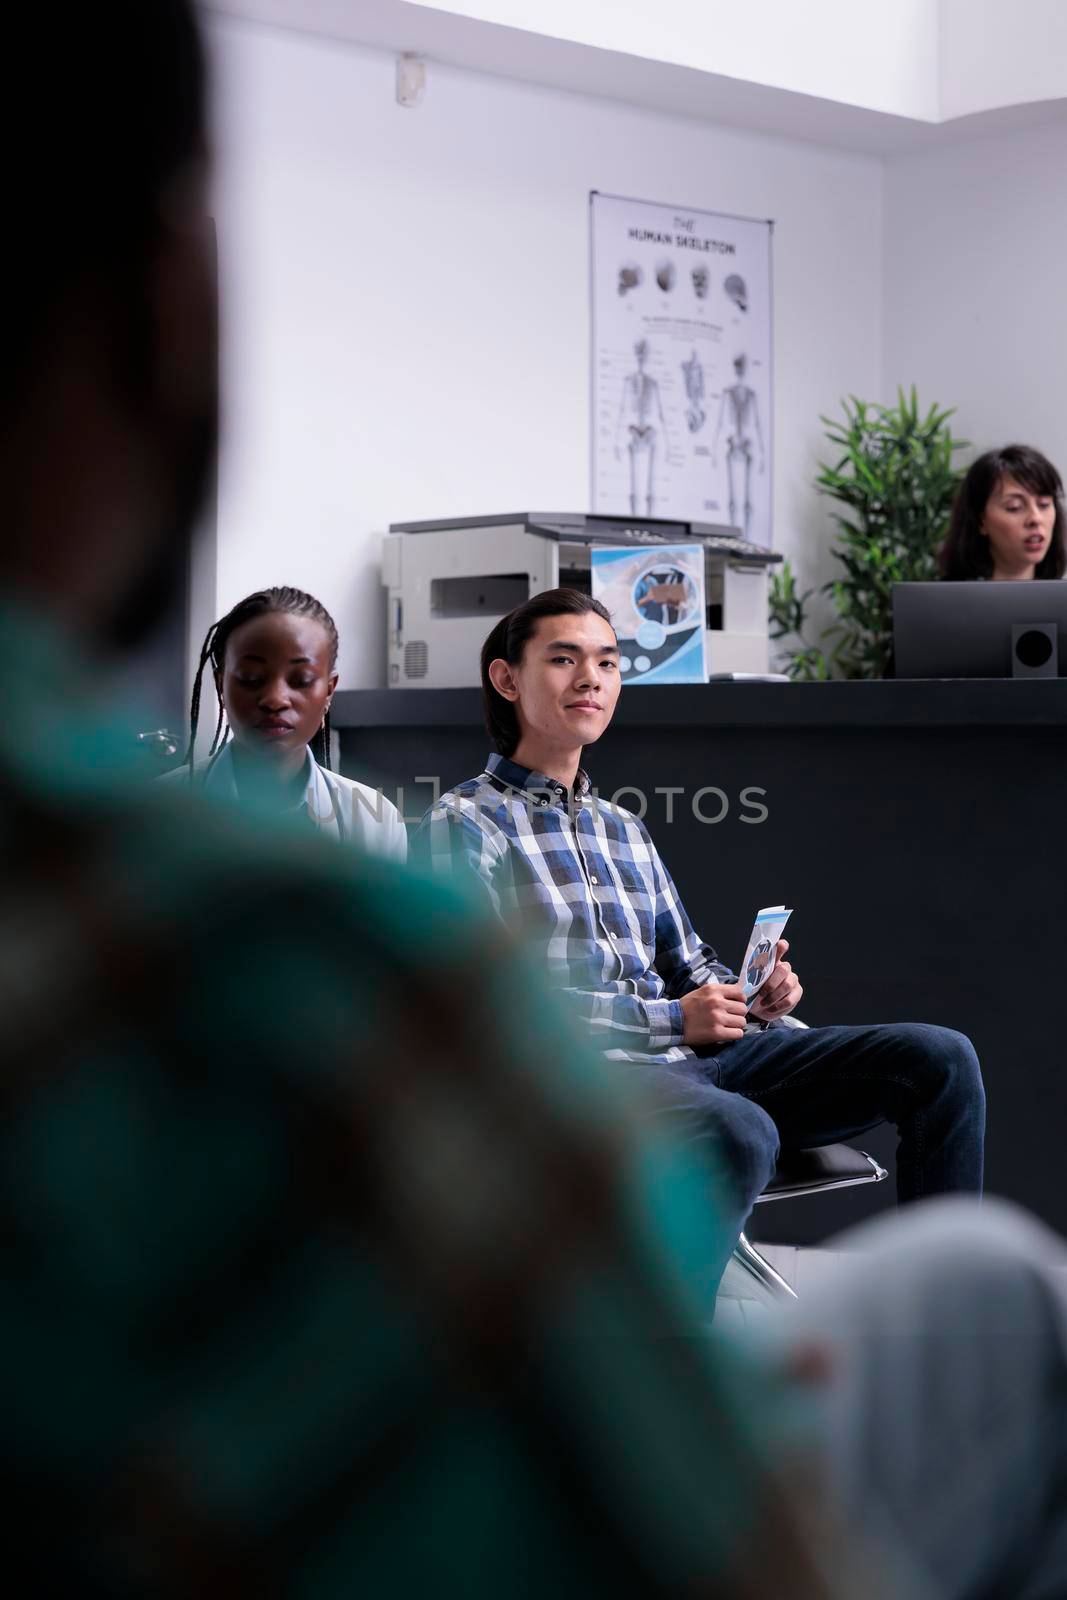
(273, 659)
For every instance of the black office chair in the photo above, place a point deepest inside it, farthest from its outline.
(831, 1166)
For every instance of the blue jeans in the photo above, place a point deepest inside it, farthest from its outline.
(811, 1086)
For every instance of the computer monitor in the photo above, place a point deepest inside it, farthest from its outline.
(965, 630)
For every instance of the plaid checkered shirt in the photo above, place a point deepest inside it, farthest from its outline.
(581, 882)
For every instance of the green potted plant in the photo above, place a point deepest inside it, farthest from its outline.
(894, 479)
(806, 662)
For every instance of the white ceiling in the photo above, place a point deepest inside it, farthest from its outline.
(980, 66)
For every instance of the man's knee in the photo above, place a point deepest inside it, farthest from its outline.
(747, 1140)
(946, 1060)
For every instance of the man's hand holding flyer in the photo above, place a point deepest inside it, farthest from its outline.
(719, 1013)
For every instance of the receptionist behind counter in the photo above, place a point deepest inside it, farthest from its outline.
(273, 660)
(1007, 520)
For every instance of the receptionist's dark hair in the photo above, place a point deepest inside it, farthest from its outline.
(507, 643)
(966, 552)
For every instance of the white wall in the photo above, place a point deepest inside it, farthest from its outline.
(975, 257)
(406, 303)
(1001, 53)
(882, 57)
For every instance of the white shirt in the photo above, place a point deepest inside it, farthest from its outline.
(348, 811)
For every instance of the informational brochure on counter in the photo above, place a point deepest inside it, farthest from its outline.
(655, 595)
(761, 957)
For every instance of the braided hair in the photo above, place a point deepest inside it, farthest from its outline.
(292, 602)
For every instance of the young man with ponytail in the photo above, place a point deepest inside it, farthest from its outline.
(581, 881)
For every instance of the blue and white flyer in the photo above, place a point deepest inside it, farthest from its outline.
(761, 956)
(655, 594)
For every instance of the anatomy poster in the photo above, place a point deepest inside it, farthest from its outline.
(681, 355)
(656, 599)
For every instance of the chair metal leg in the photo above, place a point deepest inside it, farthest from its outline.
(748, 1257)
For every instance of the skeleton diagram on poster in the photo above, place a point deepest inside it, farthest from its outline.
(681, 423)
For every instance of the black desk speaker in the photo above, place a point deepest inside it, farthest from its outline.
(1034, 651)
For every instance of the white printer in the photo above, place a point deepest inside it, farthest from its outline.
(449, 581)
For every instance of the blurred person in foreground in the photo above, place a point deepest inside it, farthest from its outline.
(1007, 520)
(304, 1292)
(324, 1272)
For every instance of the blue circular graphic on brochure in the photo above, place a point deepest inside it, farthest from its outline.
(665, 597)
